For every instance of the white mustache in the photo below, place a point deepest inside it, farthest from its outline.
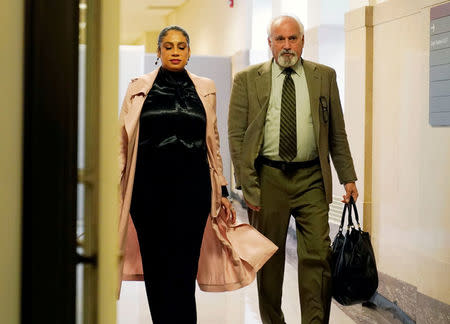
(287, 52)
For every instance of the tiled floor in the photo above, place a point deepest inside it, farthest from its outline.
(237, 307)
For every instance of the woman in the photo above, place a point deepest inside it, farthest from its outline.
(171, 181)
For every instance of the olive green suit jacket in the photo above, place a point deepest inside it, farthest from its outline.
(247, 114)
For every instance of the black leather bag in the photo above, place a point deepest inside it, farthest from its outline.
(354, 271)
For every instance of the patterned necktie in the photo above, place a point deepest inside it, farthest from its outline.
(288, 120)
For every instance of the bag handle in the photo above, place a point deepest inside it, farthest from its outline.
(351, 205)
(352, 202)
(350, 218)
(343, 218)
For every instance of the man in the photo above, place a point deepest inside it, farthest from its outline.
(285, 120)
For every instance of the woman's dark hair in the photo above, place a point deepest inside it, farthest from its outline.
(164, 32)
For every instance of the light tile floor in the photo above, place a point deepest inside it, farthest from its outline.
(236, 307)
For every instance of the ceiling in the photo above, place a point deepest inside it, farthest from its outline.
(138, 16)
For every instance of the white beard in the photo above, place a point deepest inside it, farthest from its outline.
(286, 61)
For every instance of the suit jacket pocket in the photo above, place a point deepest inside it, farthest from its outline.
(324, 111)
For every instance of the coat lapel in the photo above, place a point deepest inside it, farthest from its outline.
(203, 89)
(313, 80)
(138, 91)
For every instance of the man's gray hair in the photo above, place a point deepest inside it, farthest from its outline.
(275, 19)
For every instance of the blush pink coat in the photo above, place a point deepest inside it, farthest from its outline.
(231, 254)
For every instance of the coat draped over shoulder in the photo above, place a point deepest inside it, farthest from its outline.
(231, 254)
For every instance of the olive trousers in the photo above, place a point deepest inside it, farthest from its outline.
(299, 194)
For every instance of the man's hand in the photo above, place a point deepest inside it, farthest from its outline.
(350, 190)
(255, 208)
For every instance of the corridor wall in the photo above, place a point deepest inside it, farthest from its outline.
(214, 27)
(11, 114)
(387, 69)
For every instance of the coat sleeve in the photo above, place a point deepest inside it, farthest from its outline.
(222, 180)
(237, 122)
(339, 148)
(123, 140)
(123, 135)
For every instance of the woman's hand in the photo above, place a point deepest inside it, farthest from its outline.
(229, 210)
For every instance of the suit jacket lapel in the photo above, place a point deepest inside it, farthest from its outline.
(264, 84)
(313, 80)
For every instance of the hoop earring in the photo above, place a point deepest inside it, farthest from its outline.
(156, 62)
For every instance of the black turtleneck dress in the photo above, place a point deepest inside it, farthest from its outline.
(171, 195)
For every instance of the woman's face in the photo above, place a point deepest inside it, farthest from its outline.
(174, 51)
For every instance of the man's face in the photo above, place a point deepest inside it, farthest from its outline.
(286, 42)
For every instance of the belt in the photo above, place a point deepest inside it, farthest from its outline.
(287, 166)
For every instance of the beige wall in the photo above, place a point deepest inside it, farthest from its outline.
(358, 102)
(355, 4)
(410, 159)
(149, 40)
(108, 252)
(11, 85)
(214, 27)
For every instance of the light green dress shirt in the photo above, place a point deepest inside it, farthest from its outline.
(306, 145)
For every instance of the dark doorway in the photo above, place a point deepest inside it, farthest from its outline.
(50, 156)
